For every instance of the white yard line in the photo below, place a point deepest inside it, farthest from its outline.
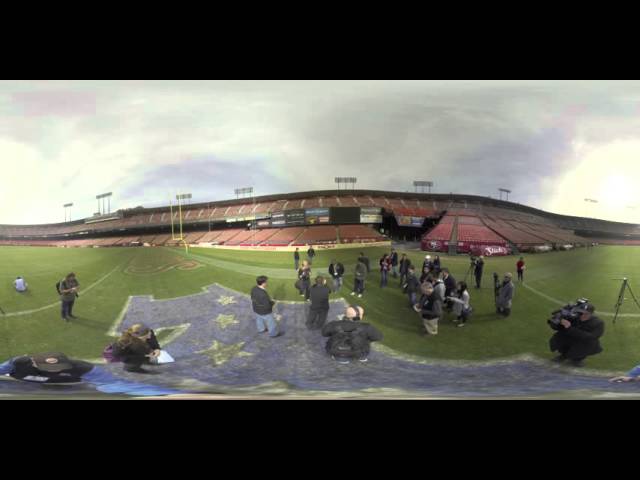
(561, 303)
(46, 307)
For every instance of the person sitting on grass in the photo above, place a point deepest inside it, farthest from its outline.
(137, 346)
(460, 301)
(632, 376)
(20, 285)
(350, 338)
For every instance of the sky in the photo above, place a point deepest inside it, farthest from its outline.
(553, 143)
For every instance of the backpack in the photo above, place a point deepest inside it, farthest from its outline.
(58, 285)
(343, 344)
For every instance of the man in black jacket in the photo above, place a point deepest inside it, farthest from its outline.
(394, 263)
(310, 254)
(263, 308)
(478, 268)
(412, 286)
(576, 341)
(404, 268)
(336, 270)
(46, 368)
(296, 258)
(319, 304)
(449, 285)
(349, 338)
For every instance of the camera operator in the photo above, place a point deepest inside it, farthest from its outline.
(478, 267)
(577, 340)
(504, 300)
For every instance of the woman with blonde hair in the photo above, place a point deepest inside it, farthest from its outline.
(137, 345)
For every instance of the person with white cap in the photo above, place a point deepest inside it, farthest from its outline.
(428, 264)
(504, 301)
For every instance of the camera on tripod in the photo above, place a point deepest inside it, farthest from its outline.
(570, 312)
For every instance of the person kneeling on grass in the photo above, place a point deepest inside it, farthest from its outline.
(138, 345)
(350, 338)
(632, 376)
(20, 285)
(460, 301)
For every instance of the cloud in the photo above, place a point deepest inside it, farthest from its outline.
(68, 141)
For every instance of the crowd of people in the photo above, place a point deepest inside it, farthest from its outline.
(433, 294)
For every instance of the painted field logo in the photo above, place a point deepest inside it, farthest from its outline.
(177, 263)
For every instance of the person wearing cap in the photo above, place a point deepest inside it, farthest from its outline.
(350, 338)
(430, 308)
(20, 285)
(428, 264)
(137, 346)
(46, 368)
(504, 301)
(576, 341)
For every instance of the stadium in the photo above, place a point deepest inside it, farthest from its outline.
(186, 270)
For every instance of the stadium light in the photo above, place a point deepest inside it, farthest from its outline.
(184, 196)
(590, 210)
(504, 190)
(65, 206)
(422, 184)
(102, 197)
(243, 191)
(346, 181)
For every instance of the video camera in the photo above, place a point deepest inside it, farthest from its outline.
(568, 312)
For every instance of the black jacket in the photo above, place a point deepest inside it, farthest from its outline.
(479, 267)
(136, 352)
(582, 338)
(394, 259)
(319, 295)
(24, 369)
(450, 285)
(336, 270)
(261, 301)
(404, 265)
(296, 255)
(362, 334)
(413, 285)
(311, 253)
(431, 306)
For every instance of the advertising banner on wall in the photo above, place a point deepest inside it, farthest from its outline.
(314, 216)
(294, 217)
(278, 219)
(404, 221)
(370, 215)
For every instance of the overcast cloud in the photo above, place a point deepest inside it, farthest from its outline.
(554, 143)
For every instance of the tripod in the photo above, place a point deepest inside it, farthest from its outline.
(471, 271)
(625, 286)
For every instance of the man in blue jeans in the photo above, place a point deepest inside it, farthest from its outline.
(263, 308)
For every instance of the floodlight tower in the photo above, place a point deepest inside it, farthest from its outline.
(346, 181)
(590, 201)
(244, 192)
(422, 184)
(67, 206)
(504, 190)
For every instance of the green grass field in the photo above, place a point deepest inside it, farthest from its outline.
(109, 276)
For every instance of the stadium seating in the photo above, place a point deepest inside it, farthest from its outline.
(284, 236)
(359, 233)
(317, 235)
(227, 235)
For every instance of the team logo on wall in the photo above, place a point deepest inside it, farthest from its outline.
(435, 245)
